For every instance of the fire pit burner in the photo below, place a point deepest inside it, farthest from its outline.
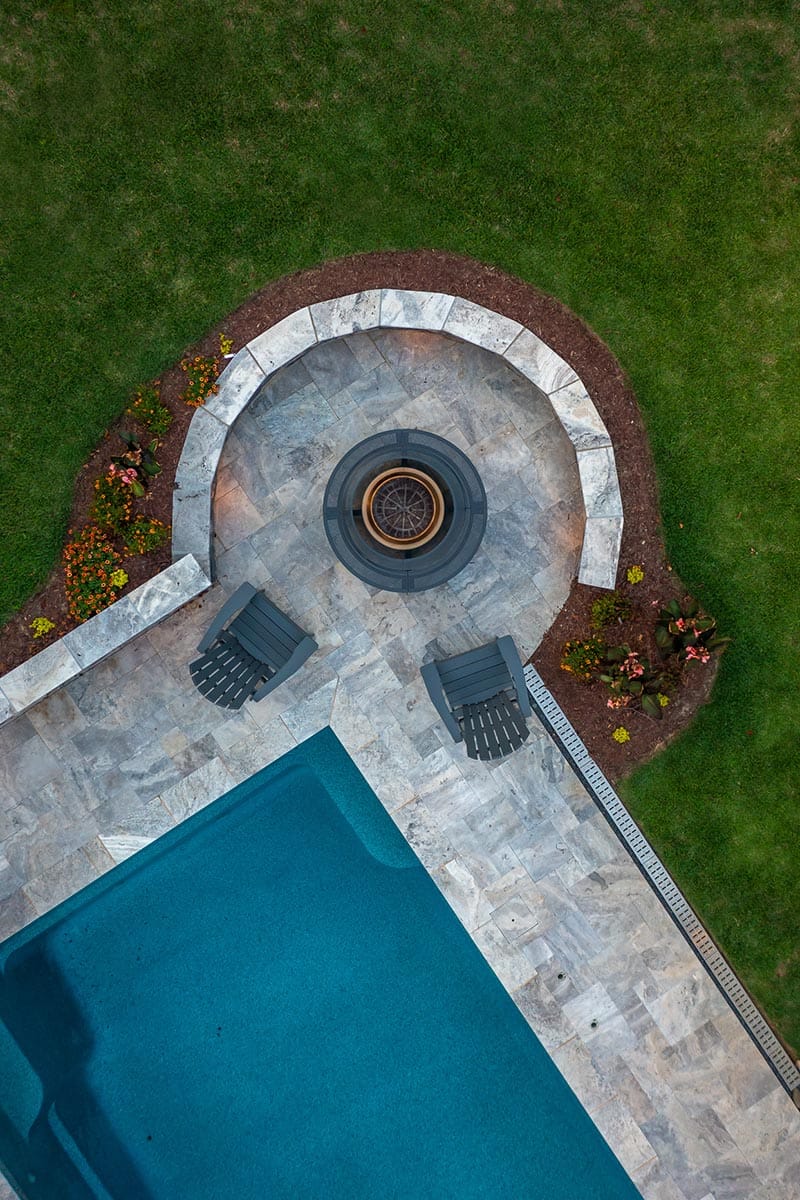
(403, 507)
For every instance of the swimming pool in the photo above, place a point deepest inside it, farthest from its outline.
(274, 1000)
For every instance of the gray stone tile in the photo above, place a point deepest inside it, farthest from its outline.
(378, 394)
(579, 417)
(481, 326)
(16, 911)
(344, 315)
(307, 717)
(235, 516)
(290, 379)
(423, 834)
(332, 366)
(544, 1014)
(148, 772)
(116, 848)
(286, 553)
(236, 387)
(201, 452)
(149, 821)
(684, 1007)
(414, 310)
(40, 675)
(618, 1127)
(600, 552)
(198, 789)
(539, 363)
(26, 768)
(365, 350)
(95, 639)
(283, 342)
(63, 879)
(504, 453)
(253, 753)
(599, 482)
(289, 425)
(21, 729)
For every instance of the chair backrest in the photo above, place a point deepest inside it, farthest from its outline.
(475, 675)
(266, 633)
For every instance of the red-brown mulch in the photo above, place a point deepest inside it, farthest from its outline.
(432, 270)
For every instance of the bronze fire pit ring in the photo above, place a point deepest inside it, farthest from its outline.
(403, 508)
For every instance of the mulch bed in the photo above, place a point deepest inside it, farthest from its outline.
(431, 270)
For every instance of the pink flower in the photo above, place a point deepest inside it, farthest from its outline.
(680, 624)
(699, 653)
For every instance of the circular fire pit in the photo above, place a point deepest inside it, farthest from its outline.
(405, 510)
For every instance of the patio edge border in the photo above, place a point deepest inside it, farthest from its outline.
(558, 726)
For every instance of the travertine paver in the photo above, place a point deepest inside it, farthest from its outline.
(117, 757)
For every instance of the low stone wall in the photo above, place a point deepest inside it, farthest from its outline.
(100, 636)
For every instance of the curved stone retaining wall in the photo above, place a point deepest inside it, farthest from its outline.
(392, 308)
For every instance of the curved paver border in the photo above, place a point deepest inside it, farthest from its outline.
(394, 308)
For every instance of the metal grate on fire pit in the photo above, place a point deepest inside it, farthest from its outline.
(403, 507)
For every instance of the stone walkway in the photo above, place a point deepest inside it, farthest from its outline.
(120, 755)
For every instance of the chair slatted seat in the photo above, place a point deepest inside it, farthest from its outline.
(482, 699)
(494, 729)
(249, 649)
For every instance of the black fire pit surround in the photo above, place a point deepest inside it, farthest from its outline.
(405, 510)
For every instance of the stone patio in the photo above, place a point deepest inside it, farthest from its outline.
(123, 753)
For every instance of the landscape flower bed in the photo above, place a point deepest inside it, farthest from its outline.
(634, 667)
(120, 534)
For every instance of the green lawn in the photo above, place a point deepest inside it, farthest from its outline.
(637, 160)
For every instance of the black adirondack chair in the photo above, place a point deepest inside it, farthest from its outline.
(259, 649)
(482, 698)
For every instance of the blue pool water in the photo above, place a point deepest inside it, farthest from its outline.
(275, 1001)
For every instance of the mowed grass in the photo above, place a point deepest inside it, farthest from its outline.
(638, 161)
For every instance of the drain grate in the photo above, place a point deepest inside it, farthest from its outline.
(559, 728)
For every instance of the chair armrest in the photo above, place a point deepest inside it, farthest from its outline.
(241, 597)
(302, 651)
(512, 660)
(433, 682)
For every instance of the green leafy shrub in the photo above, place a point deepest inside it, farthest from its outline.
(682, 630)
(583, 658)
(632, 680)
(90, 561)
(610, 609)
(137, 465)
(112, 503)
(147, 409)
(144, 534)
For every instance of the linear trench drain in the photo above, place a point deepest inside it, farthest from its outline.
(560, 729)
